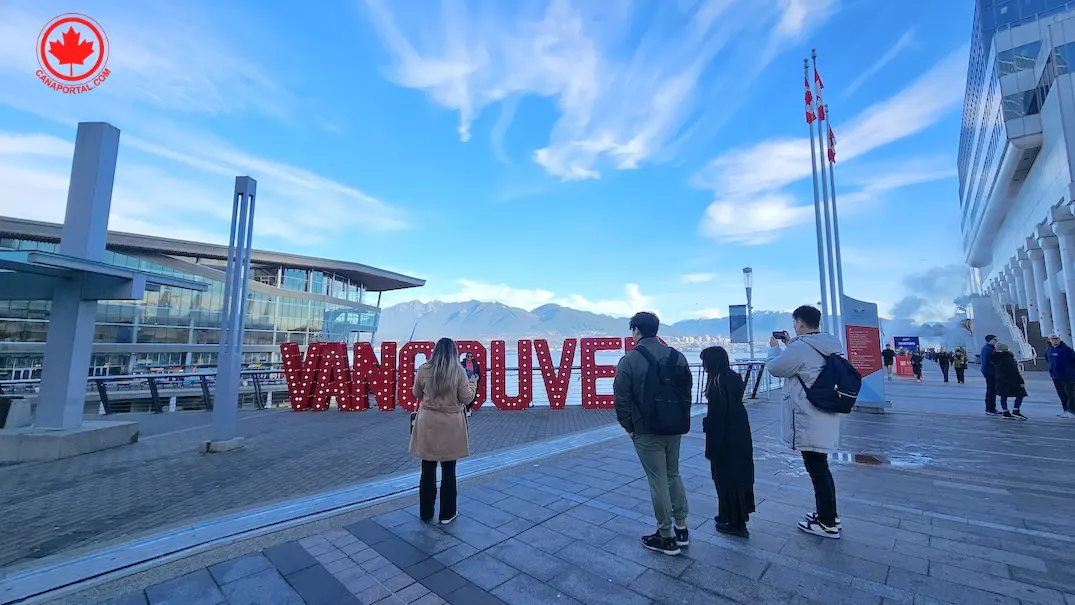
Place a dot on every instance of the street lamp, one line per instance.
(748, 282)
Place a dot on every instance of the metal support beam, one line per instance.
(233, 315)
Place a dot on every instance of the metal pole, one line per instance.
(836, 233)
(834, 303)
(232, 320)
(750, 323)
(817, 203)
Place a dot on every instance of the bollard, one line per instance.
(268, 399)
(171, 403)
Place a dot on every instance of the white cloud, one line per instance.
(697, 278)
(890, 55)
(750, 206)
(182, 189)
(709, 313)
(616, 108)
(632, 301)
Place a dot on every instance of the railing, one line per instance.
(1026, 350)
(265, 388)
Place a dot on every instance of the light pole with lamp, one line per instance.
(748, 281)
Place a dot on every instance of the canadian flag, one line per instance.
(817, 80)
(832, 146)
(809, 101)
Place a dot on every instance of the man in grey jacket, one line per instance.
(806, 429)
(659, 454)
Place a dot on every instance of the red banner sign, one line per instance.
(324, 373)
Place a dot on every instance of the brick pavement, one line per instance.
(966, 510)
(163, 481)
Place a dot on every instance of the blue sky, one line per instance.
(609, 155)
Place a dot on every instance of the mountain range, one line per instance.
(477, 320)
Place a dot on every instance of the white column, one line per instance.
(1029, 286)
(1020, 284)
(1037, 263)
(69, 339)
(1002, 290)
(1051, 246)
(1013, 294)
(1065, 233)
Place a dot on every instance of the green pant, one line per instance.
(659, 455)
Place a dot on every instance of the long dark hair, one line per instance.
(715, 360)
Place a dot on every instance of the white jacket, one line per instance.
(803, 427)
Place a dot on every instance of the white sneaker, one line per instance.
(1067, 415)
(815, 527)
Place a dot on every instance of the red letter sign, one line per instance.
(333, 378)
(556, 381)
(591, 400)
(372, 377)
(501, 399)
(407, 356)
(299, 373)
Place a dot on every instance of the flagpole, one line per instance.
(817, 199)
(834, 306)
(835, 221)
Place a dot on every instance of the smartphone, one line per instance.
(780, 335)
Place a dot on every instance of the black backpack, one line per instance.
(666, 395)
(836, 387)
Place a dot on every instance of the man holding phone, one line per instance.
(473, 371)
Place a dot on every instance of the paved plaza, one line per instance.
(163, 481)
(943, 506)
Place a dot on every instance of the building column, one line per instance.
(1050, 245)
(1065, 233)
(1020, 284)
(1037, 263)
(1029, 286)
(1013, 295)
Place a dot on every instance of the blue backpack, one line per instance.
(836, 387)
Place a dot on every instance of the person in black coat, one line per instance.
(1010, 382)
(473, 368)
(916, 364)
(944, 359)
(728, 443)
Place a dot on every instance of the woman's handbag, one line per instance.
(413, 416)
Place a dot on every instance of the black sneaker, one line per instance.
(739, 531)
(659, 543)
(839, 525)
(993, 413)
(683, 537)
(1018, 415)
(1008, 415)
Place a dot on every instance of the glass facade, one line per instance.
(991, 16)
(175, 319)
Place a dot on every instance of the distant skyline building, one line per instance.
(1015, 166)
(292, 298)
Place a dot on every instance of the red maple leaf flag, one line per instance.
(820, 111)
(809, 101)
(817, 79)
(832, 137)
(71, 50)
(832, 155)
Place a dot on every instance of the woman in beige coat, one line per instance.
(439, 433)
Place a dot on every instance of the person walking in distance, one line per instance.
(473, 369)
(805, 428)
(990, 374)
(728, 443)
(916, 364)
(1061, 360)
(944, 359)
(1010, 382)
(889, 357)
(439, 432)
(959, 364)
(652, 392)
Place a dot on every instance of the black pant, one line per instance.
(917, 371)
(960, 372)
(944, 370)
(824, 487)
(1004, 403)
(990, 392)
(427, 490)
(1066, 390)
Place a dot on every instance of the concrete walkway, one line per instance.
(952, 507)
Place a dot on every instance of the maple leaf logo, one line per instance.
(71, 49)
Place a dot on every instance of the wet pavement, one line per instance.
(939, 504)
